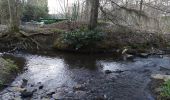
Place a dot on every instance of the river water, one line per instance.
(68, 76)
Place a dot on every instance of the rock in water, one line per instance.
(41, 87)
(128, 57)
(51, 92)
(143, 55)
(108, 71)
(57, 96)
(26, 94)
(79, 87)
(24, 83)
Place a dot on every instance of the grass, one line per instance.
(165, 89)
(8, 68)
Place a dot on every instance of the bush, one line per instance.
(80, 38)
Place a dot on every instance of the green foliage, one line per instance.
(11, 66)
(80, 38)
(7, 69)
(1, 83)
(166, 89)
(32, 12)
(50, 21)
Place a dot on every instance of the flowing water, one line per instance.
(83, 76)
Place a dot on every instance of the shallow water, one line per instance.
(61, 72)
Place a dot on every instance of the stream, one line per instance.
(51, 76)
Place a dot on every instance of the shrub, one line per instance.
(80, 38)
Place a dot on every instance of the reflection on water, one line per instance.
(50, 71)
(64, 69)
(67, 70)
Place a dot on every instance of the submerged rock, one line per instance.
(51, 92)
(57, 96)
(80, 94)
(7, 96)
(165, 67)
(79, 87)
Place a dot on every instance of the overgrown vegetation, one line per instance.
(8, 67)
(165, 89)
(80, 38)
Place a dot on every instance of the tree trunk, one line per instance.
(87, 12)
(14, 13)
(141, 5)
(93, 14)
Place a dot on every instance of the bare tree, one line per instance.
(14, 7)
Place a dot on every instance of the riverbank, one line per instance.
(104, 39)
(9, 69)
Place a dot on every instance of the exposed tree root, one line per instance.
(21, 40)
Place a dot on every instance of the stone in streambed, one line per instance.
(24, 83)
(26, 94)
(57, 96)
(79, 87)
(143, 55)
(41, 87)
(108, 71)
(128, 57)
(51, 92)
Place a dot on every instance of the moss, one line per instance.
(165, 93)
